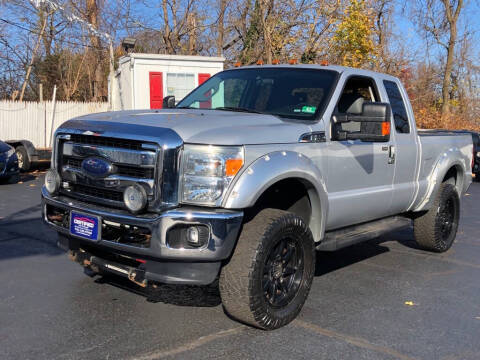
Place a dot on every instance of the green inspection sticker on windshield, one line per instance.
(306, 109)
(309, 109)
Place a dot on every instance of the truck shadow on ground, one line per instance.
(209, 296)
(180, 295)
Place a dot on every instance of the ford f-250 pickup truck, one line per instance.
(246, 177)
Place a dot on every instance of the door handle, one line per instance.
(391, 154)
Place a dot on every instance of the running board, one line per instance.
(347, 236)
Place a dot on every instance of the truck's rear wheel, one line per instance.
(23, 159)
(269, 276)
(436, 229)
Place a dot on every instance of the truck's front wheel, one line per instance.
(267, 280)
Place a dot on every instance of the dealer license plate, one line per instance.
(85, 226)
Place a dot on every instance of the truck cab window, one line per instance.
(356, 92)
(398, 107)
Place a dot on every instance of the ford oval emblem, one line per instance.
(96, 167)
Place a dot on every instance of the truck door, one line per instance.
(360, 177)
(406, 148)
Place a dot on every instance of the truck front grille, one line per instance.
(107, 142)
(124, 170)
(99, 193)
(126, 162)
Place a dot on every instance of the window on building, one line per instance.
(180, 84)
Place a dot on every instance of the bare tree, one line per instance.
(438, 19)
(452, 12)
(92, 16)
(221, 26)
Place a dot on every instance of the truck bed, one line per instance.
(437, 145)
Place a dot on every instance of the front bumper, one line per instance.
(8, 166)
(159, 261)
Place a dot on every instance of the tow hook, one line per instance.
(79, 258)
(137, 278)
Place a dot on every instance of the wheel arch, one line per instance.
(449, 168)
(275, 170)
(28, 145)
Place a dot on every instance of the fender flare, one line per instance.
(31, 151)
(276, 166)
(448, 159)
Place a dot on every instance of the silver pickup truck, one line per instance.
(246, 177)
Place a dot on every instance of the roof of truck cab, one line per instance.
(336, 68)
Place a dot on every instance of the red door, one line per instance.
(201, 79)
(156, 90)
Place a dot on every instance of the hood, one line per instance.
(196, 126)
(4, 147)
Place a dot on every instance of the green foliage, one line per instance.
(353, 39)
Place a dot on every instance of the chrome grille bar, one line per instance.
(115, 155)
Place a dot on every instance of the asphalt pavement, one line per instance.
(384, 299)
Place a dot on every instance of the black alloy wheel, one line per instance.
(268, 278)
(282, 273)
(436, 229)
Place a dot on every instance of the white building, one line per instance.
(143, 80)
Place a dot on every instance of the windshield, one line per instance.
(292, 93)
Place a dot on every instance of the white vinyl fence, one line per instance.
(33, 120)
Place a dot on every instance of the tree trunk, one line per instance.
(192, 33)
(452, 18)
(448, 73)
(92, 18)
(221, 27)
(29, 69)
(166, 30)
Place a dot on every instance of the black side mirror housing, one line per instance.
(168, 102)
(374, 120)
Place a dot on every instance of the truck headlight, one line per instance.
(207, 171)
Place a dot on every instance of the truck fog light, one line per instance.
(52, 181)
(197, 236)
(135, 198)
(193, 236)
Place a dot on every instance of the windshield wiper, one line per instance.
(238, 109)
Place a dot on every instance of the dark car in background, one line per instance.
(476, 155)
(476, 150)
(8, 163)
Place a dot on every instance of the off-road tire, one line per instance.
(428, 227)
(241, 286)
(22, 153)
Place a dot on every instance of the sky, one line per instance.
(403, 27)
(406, 30)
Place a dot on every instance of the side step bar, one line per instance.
(347, 236)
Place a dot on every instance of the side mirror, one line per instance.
(168, 102)
(374, 123)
